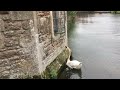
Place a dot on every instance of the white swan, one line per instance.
(74, 64)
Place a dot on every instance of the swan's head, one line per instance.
(81, 63)
(67, 48)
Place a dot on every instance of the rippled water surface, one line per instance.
(95, 41)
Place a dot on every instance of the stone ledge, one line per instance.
(53, 70)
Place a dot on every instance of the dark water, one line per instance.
(95, 41)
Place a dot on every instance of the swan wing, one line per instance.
(69, 65)
(75, 62)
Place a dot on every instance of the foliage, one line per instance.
(71, 19)
(72, 13)
(53, 73)
(115, 12)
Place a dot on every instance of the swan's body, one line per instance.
(74, 64)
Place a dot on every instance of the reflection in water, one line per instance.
(74, 74)
(71, 74)
(84, 17)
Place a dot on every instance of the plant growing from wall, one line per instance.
(71, 13)
(53, 73)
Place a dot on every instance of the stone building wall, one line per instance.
(50, 44)
(17, 44)
(27, 42)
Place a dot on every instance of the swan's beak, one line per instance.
(66, 47)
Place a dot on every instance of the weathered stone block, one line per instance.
(2, 62)
(43, 13)
(8, 54)
(12, 25)
(26, 24)
(1, 41)
(13, 41)
(9, 48)
(50, 51)
(6, 73)
(7, 67)
(12, 33)
(4, 12)
(21, 15)
(1, 25)
(2, 69)
(9, 33)
(46, 43)
(5, 17)
(25, 39)
(14, 58)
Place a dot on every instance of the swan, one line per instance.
(74, 64)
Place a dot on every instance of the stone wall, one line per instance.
(51, 46)
(17, 44)
(27, 45)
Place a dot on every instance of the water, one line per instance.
(95, 41)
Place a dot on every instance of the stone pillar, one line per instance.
(66, 28)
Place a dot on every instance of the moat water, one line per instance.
(95, 41)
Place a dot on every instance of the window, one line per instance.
(59, 22)
(55, 20)
(62, 21)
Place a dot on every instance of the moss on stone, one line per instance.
(53, 70)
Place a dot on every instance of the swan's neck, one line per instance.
(68, 60)
(69, 54)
